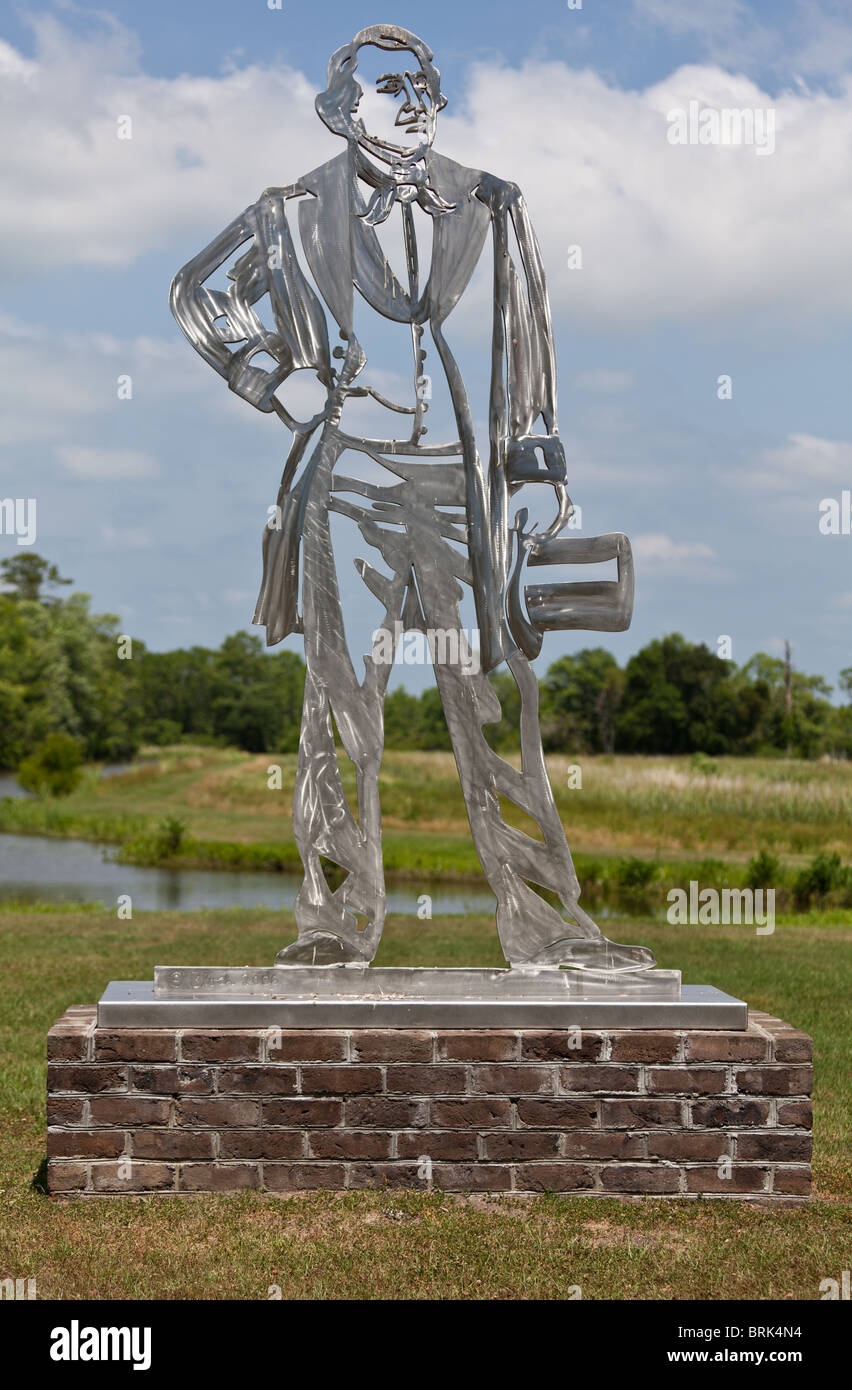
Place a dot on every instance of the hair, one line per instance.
(335, 104)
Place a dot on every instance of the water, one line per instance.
(37, 869)
(9, 785)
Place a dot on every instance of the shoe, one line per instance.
(595, 954)
(319, 948)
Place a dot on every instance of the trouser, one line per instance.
(417, 526)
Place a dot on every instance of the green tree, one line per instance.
(581, 695)
(26, 574)
(53, 767)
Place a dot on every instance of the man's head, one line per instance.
(392, 107)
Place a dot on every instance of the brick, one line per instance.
(726, 1047)
(741, 1180)
(376, 1112)
(640, 1045)
(261, 1143)
(65, 1177)
(171, 1144)
(85, 1143)
(135, 1045)
(426, 1080)
(471, 1177)
(792, 1182)
(137, 1177)
(472, 1045)
(602, 1077)
(793, 1047)
(349, 1143)
(128, 1111)
(796, 1112)
(381, 1175)
(85, 1076)
(233, 1045)
(554, 1177)
(271, 1080)
(775, 1081)
(391, 1045)
(216, 1111)
(471, 1113)
(219, 1177)
(775, 1145)
(66, 1044)
(306, 1045)
(640, 1114)
(558, 1045)
(304, 1177)
(172, 1081)
(303, 1113)
(602, 1144)
(62, 1111)
(451, 1145)
(635, 1177)
(732, 1112)
(341, 1081)
(694, 1081)
(517, 1145)
(688, 1144)
(507, 1080)
(558, 1114)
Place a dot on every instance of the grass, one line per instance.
(411, 1245)
(686, 821)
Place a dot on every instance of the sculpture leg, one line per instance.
(530, 929)
(342, 923)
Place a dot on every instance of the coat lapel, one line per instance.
(341, 253)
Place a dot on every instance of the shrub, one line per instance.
(634, 873)
(170, 833)
(54, 766)
(764, 871)
(823, 875)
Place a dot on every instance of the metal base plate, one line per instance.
(347, 997)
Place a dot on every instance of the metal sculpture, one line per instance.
(439, 518)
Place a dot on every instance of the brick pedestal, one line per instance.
(602, 1113)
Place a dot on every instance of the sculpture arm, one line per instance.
(223, 325)
(532, 374)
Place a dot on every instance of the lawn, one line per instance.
(412, 1245)
(684, 818)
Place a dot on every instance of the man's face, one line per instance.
(395, 113)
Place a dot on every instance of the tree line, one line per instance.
(65, 675)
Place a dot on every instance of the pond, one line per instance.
(38, 869)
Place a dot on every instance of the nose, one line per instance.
(414, 105)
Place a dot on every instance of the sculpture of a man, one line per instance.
(439, 516)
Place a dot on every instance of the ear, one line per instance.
(441, 102)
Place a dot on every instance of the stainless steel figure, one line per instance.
(439, 518)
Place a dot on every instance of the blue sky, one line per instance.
(698, 261)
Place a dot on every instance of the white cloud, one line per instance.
(86, 461)
(800, 465)
(201, 148)
(605, 382)
(667, 232)
(122, 537)
(658, 553)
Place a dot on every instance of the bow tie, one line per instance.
(404, 183)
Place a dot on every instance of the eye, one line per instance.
(418, 81)
(390, 84)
